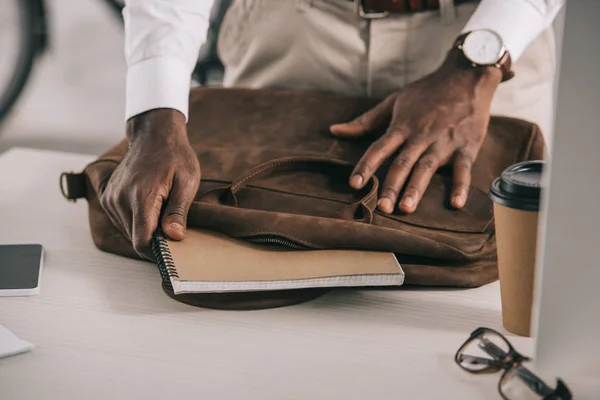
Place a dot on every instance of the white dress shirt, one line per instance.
(163, 38)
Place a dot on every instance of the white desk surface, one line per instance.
(104, 329)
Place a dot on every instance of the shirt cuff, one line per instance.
(517, 22)
(158, 82)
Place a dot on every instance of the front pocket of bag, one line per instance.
(434, 211)
(267, 210)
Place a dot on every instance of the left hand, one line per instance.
(438, 120)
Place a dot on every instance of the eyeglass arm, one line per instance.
(533, 381)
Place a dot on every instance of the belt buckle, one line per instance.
(359, 7)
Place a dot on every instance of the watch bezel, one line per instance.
(499, 57)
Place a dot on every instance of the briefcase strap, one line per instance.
(382, 8)
(360, 211)
(72, 185)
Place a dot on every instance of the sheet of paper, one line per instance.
(10, 344)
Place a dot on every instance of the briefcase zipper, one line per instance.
(278, 240)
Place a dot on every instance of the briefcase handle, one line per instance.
(361, 210)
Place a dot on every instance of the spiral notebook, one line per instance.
(208, 262)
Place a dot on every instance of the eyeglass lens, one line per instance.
(520, 384)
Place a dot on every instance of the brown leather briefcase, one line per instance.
(272, 173)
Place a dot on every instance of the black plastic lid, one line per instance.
(519, 186)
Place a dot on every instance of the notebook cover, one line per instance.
(209, 256)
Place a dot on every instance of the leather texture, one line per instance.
(405, 6)
(271, 169)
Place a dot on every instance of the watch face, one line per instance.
(483, 47)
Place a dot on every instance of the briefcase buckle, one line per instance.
(359, 7)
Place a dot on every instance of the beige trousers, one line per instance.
(324, 45)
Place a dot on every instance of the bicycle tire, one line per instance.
(27, 55)
(116, 6)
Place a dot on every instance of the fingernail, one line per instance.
(177, 228)
(356, 181)
(458, 201)
(408, 202)
(334, 128)
(385, 205)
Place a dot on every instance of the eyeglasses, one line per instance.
(487, 351)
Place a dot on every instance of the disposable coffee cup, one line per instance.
(516, 197)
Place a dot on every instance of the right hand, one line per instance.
(159, 169)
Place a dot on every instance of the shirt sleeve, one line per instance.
(162, 41)
(518, 22)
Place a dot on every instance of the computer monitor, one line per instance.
(567, 305)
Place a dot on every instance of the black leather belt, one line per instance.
(380, 8)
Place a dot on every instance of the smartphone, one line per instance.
(20, 269)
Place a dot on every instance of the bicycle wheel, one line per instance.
(18, 47)
(116, 7)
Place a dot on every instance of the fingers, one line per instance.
(108, 201)
(463, 162)
(367, 121)
(135, 213)
(398, 173)
(146, 212)
(180, 199)
(421, 176)
(464, 158)
(375, 155)
(114, 218)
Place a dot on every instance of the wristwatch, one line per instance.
(484, 47)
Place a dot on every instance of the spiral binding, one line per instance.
(164, 259)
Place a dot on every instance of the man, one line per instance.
(440, 71)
